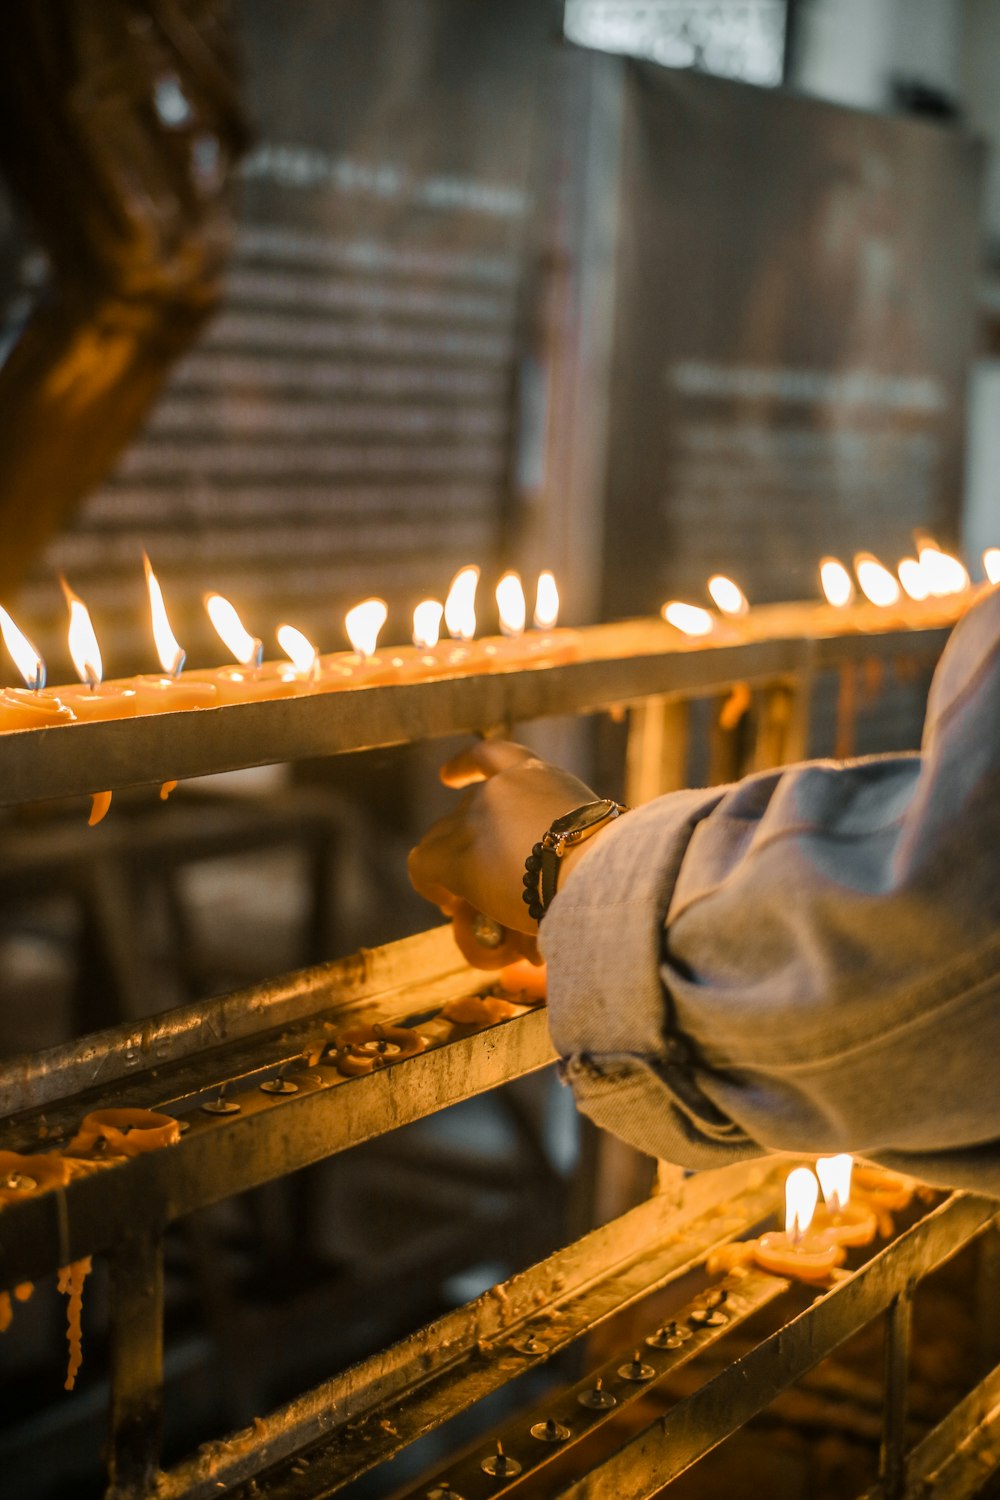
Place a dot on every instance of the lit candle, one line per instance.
(428, 658)
(460, 617)
(547, 643)
(91, 697)
(911, 576)
(991, 564)
(362, 666)
(944, 574)
(157, 695)
(875, 581)
(689, 619)
(508, 649)
(27, 708)
(835, 582)
(302, 654)
(793, 1251)
(251, 679)
(727, 596)
(842, 1222)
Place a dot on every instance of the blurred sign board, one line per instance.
(345, 425)
(793, 332)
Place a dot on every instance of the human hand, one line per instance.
(472, 861)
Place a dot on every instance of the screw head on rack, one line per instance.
(279, 1086)
(670, 1336)
(443, 1491)
(221, 1105)
(529, 1343)
(550, 1431)
(597, 1398)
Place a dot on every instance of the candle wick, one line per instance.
(91, 676)
(39, 681)
(179, 660)
(257, 656)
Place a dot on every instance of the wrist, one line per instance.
(564, 840)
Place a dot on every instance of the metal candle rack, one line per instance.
(242, 1043)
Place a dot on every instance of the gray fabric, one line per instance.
(806, 961)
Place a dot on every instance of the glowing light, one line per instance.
(801, 1197)
(460, 605)
(27, 659)
(727, 596)
(943, 573)
(836, 582)
(298, 648)
(691, 619)
(911, 576)
(875, 581)
(170, 653)
(546, 602)
(83, 647)
(834, 1173)
(427, 623)
(991, 564)
(235, 637)
(363, 624)
(511, 604)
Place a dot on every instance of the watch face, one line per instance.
(582, 817)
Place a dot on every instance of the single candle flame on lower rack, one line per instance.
(27, 659)
(911, 576)
(171, 655)
(836, 582)
(246, 648)
(299, 649)
(363, 624)
(875, 581)
(801, 1197)
(834, 1173)
(460, 605)
(690, 619)
(546, 614)
(511, 605)
(991, 564)
(727, 596)
(427, 618)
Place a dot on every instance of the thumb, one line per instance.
(483, 759)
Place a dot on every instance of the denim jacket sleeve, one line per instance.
(808, 960)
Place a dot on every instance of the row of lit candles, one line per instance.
(932, 574)
(304, 669)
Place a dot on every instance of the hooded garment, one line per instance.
(806, 961)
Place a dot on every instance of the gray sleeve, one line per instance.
(805, 961)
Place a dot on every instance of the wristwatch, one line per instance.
(541, 868)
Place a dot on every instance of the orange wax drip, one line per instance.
(367, 1046)
(26, 1176)
(479, 1010)
(166, 789)
(124, 1132)
(99, 804)
(70, 1283)
(854, 1224)
(524, 979)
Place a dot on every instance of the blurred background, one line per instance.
(320, 301)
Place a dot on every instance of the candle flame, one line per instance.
(363, 624)
(27, 659)
(691, 619)
(944, 574)
(546, 602)
(991, 564)
(727, 596)
(170, 653)
(234, 635)
(427, 623)
(836, 582)
(510, 603)
(801, 1196)
(911, 576)
(83, 647)
(875, 581)
(298, 648)
(460, 605)
(834, 1173)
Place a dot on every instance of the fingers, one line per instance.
(515, 945)
(481, 760)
